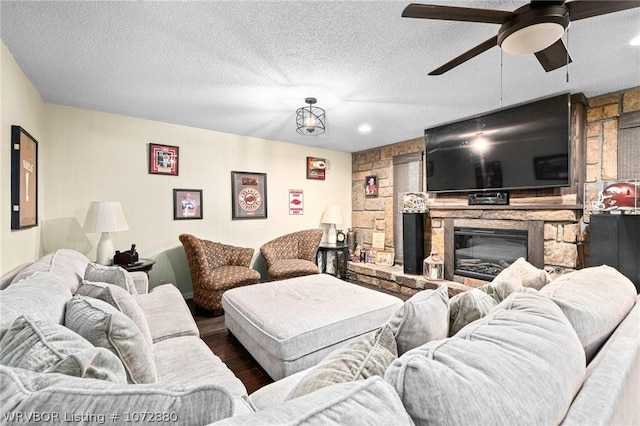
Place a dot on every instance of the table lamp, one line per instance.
(331, 216)
(105, 217)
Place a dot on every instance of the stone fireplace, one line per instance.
(481, 249)
(551, 237)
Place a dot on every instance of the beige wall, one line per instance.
(22, 106)
(87, 155)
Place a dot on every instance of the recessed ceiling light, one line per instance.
(364, 128)
(635, 41)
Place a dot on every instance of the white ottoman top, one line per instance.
(294, 317)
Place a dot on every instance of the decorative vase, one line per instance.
(351, 240)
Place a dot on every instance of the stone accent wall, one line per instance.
(376, 213)
(565, 234)
(602, 137)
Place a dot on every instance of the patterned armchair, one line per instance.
(292, 255)
(216, 267)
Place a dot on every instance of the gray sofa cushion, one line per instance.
(275, 393)
(106, 327)
(120, 299)
(595, 300)
(363, 402)
(52, 348)
(66, 263)
(467, 307)
(422, 318)
(167, 313)
(188, 361)
(366, 357)
(521, 364)
(42, 295)
(28, 392)
(529, 274)
(507, 282)
(110, 274)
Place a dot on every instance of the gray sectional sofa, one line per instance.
(539, 352)
(59, 313)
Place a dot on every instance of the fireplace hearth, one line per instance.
(483, 253)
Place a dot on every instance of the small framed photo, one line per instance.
(316, 168)
(371, 186)
(24, 179)
(187, 204)
(163, 159)
(384, 258)
(248, 195)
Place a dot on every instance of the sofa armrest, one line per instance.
(140, 281)
(6, 279)
(167, 313)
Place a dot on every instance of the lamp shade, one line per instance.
(105, 216)
(332, 215)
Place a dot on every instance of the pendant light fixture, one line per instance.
(310, 120)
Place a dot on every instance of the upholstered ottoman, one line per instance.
(290, 325)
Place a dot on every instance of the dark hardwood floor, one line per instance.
(214, 333)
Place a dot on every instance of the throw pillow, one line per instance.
(42, 295)
(51, 348)
(595, 300)
(422, 318)
(110, 274)
(503, 285)
(28, 392)
(521, 364)
(365, 357)
(529, 274)
(120, 299)
(467, 307)
(106, 327)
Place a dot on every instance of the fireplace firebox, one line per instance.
(483, 253)
(491, 241)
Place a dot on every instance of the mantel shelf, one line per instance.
(509, 207)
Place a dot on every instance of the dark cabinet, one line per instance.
(413, 242)
(615, 241)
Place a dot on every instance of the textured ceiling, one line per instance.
(244, 67)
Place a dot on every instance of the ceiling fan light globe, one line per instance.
(533, 38)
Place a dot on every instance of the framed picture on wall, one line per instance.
(248, 195)
(24, 179)
(163, 159)
(316, 168)
(187, 204)
(371, 186)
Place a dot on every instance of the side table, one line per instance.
(142, 265)
(340, 250)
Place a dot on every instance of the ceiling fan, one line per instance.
(536, 27)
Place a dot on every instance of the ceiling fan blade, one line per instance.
(587, 9)
(536, 3)
(452, 13)
(493, 41)
(554, 56)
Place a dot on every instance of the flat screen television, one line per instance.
(520, 147)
